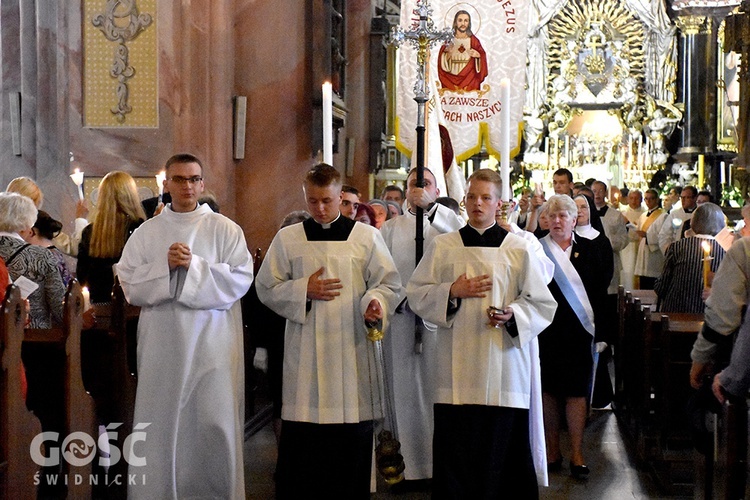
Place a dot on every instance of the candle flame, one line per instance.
(706, 248)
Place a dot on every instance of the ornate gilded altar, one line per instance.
(601, 89)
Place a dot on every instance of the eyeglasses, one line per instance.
(178, 179)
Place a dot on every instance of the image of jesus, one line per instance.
(463, 63)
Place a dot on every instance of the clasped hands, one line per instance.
(328, 289)
(179, 255)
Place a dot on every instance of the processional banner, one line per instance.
(489, 44)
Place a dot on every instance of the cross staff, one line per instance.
(422, 35)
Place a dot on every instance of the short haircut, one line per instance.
(27, 187)
(17, 212)
(562, 202)
(590, 181)
(323, 175)
(391, 187)
(450, 203)
(603, 184)
(346, 188)
(587, 191)
(707, 219)
(414, 172)
(677, 190)
(708, 194)
(488, 175)
(692, 189)
(564, 171)
(183, 158)
(653, 192)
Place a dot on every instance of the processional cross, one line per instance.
(423, 36)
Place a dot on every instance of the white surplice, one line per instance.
(412, 375)
(190, 357)
(326, 377)
(476, 363)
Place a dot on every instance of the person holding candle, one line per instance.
(680, 287)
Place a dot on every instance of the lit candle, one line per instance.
(77, 178)
(706, 262)
(86, 298)
(160, 178)
(722, 173)
(701, 172)
(327, 123)
(505, 138)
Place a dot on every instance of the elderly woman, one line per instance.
(37, 264)
(381, 212)
(365, 214)
(680, 287)
(567, 346)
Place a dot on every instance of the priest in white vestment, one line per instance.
(187, 269)
(649, 260)
(486, 291)
(632, 212)
(412, 370)
(678, 220)
(328, 276)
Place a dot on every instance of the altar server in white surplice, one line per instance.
(412, 372)
(488, 413)
(649, 261)
(327, 276)
(188, 269)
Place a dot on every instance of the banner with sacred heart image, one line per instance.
(489, 44)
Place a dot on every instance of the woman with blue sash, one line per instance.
(583, 270)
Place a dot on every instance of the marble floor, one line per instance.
(613, 473)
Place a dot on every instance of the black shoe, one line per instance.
(579, 471)
(555, 466)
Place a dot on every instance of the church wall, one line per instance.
(273, 68)
(208, 52)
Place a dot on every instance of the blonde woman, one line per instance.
(27, 187)
(119, 213)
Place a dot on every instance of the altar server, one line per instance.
(485, 290)
(327, 276)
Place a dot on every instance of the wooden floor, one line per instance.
(614, 476)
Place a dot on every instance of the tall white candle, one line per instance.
(160, 178)
(723, 173)
(327, 123)
(546, 149)
(505, 138)
(77, 178)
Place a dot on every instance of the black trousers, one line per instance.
(324, 460)
(482, 452)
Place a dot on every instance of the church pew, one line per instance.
(77, 414)
(17, 424)
(724, 472)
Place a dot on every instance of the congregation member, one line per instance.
(485, 290)
(365, 214)
(730, 293)
(567, 347)
(632, 212)
(350, 197)
(393, 193)
(119, 212)
(681, 284)
(382, 213)
(562, 183)
(329, 277)
(187, 269)
(412, 368)
(677, 221)
(649, 260)
(704, 197)
(394, 209)
(43, 233)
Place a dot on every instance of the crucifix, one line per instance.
(423, 36)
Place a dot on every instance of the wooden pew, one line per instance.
(17, 424)
(78, 409)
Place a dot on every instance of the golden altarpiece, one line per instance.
(601, 80)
